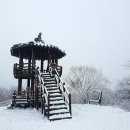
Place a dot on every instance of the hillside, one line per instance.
(85, 117)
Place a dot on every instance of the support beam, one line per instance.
(28, 83)
(49, 61)
(33, 70)
(19, 86)
(42, 65)
(33, 58)
(32, 84)
(21, 68)
(53, 60)
(56, 61)
(29, 71)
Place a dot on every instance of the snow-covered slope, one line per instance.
(85, 117)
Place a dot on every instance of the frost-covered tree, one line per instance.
(82, 79)
(123, 93)
(123, 89)
(6, 94)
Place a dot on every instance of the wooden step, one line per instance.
(56, 104)
(45, 75)
(55, 95)
(53, 99)
(21, 102)
(53, 107)
(50, 85)
(51, 92)
(53, 88)
(58, 111)
(50, 82)
(49, 79)
(60, 117)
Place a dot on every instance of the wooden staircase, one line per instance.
(56, 108)
(20, 100)
(50, 94)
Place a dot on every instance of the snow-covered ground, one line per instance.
(85, 117)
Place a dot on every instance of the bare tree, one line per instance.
(123, 93)
(82, 79)
(6, 94)
(123, 89)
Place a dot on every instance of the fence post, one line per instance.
(100, 98)
(36, 98)
(14, 97)
(44, 106)
(48, 105)
(64, 90)
(33, 98)
(70, 110)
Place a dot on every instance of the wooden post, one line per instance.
(29, 72)
(100, 98)
(28, 83)
(53, 60)
(19, 86)
(33, 58)
(32, 84)
(49, 61)
(70, 110)
(64, 91)
(42, 65)
(14, 98)
(56, 61)
(33, 70)
(44, 106)
(37, 95)
(20, 69)
(32, 90)
(48, 106)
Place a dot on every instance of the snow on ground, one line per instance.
(85, 117)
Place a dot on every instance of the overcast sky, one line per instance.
(92, 32)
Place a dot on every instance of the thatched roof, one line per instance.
(42, 51)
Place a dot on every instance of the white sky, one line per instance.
(92, 32)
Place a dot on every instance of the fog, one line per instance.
(95, 32)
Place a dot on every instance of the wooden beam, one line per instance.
(19, 86)
(56, 61)
(33, 58)
(42, 65)
(21, 67)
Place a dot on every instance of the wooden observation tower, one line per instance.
(44, 88)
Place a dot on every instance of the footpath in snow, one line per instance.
(85, 117)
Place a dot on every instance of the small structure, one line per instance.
(94, 97)
(41, 84)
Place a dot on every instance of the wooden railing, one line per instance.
(44, 95)
(22, 94)
(23, 69)
(66, 95)
(53, 67)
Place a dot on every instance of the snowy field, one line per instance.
(85, 117)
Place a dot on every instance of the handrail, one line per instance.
(23, 68)
(24, 65)
(54, 66)
(66, 95)
(44, 92)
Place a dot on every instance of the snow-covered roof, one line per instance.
(42, 50)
